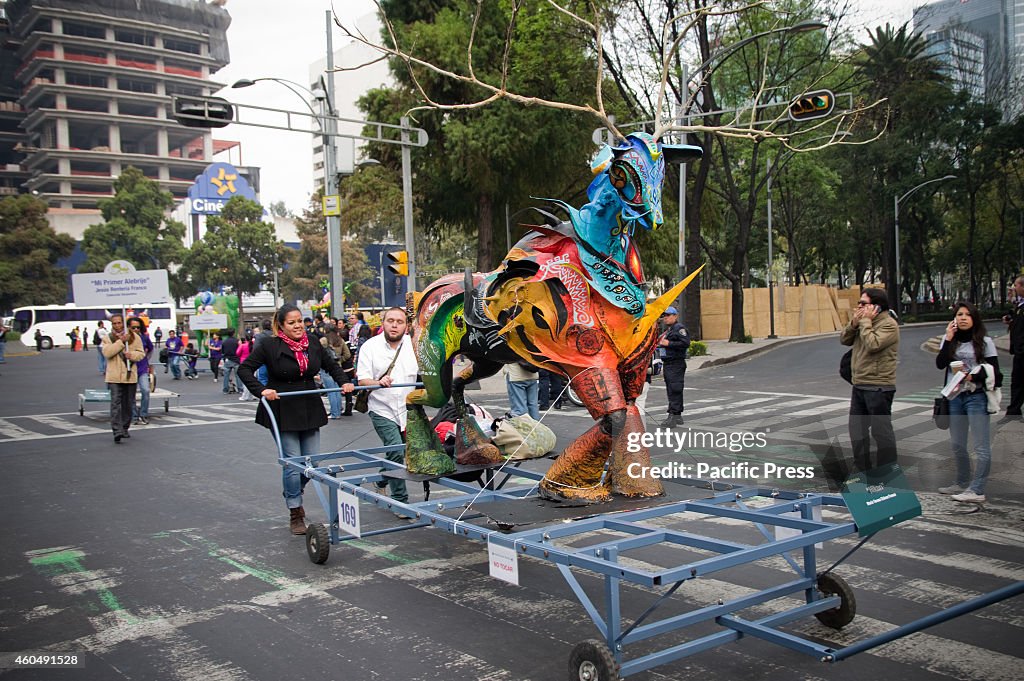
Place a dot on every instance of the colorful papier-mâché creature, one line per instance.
(570, 297)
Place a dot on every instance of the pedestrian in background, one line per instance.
(39, 342)
(292, 358)
(213, 346)
(97, 342)
(158, 335)
(875, 337)
(3, 344)
(122, 348)
(140, 412)
(85, 339)
(174, 347)
(229, 349)
(672, 346)
(966, 348)
(191, 357)
(523, 386)
(245, 347)
(1015, 323)
(550, 386)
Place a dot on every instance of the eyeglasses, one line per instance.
(862, 304)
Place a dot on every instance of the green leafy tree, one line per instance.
(309, 266)
(135, 228)
(239, 252)
(29, 251)
(279, 209)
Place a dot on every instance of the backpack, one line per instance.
(96, 339)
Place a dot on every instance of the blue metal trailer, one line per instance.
(602, 541)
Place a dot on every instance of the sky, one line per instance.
(280, 39)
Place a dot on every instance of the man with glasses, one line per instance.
(123, 349)
(140, 413)
(875, 337)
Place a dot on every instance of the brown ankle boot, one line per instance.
(297, 521)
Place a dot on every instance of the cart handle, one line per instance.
(939, 617)
(273, 420)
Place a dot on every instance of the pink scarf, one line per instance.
(299, 348)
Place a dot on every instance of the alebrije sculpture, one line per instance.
(570, 297)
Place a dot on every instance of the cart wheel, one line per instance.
(831, 584)
(318, 542)
(591, 660)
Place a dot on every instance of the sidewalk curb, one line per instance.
(722, 361)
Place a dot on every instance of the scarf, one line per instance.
(300, 348)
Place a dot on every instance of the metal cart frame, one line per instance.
(820, 593)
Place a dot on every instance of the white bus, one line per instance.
(55, 322)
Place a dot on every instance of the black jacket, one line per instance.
(678, 342)
(1017, 330)
(292, 413)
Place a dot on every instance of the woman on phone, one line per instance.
(293, 358)
(965, 348)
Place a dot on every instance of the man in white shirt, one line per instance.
(387, 407)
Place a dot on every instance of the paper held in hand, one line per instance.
(955, 379)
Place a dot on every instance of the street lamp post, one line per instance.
(896, 201)
(324, 119)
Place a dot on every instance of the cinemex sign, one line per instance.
(218, 184)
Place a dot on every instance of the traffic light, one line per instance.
(401, 263)
(817, 104)
(203, 112)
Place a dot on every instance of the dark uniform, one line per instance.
(1017, 350)
(674, 363)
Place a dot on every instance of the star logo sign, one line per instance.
(224, 182)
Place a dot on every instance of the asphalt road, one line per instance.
(168, 557)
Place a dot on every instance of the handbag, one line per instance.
(940, 412)
(362, 404)
(846, 367)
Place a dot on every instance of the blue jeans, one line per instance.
(175, 362)
(297, 443)
(522, 397)
(969, 411)
(142, 410)
(261, 374)
(3, 350)
(229, 367)
(101, 361)
(390, 434)
(333, 398)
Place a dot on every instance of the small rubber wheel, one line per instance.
(591, 660)
(831, 584)
(318, 542)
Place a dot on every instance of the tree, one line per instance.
(29, 251)
(309, 266)
(136, 229)
(279, 209)
(239, 252)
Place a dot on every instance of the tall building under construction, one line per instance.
(86, 88)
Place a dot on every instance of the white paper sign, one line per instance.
(121, 289)
(202, 322)
(348, 513)
(787, 532)
(504, 563)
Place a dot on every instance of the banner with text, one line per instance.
(128, 288)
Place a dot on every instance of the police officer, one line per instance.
(672, 346)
